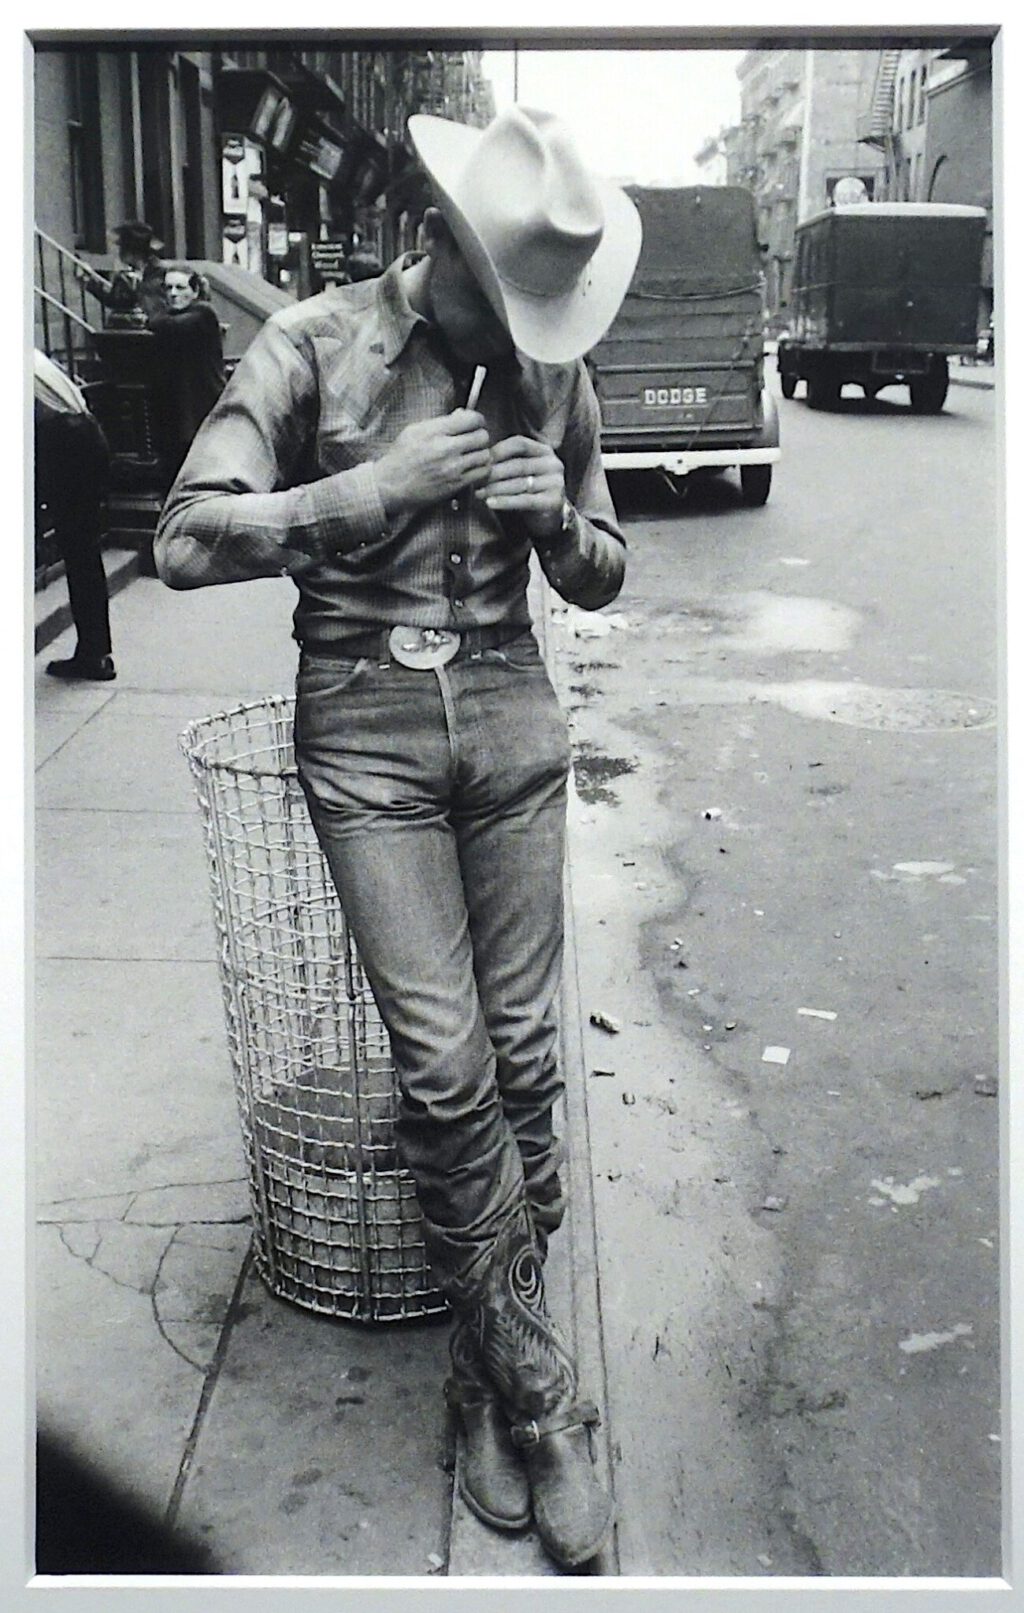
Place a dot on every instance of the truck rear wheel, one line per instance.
(755, 483)
(928, 392)
(788, 384)
(822, 391)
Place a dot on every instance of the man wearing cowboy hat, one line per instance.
(428, 739)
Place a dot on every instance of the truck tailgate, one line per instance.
(671, 367)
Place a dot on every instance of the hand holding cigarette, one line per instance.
(431, 460)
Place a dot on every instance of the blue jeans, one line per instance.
(438, 797)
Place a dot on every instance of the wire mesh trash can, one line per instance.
(336, 1219)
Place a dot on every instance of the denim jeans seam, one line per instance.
(448, 702)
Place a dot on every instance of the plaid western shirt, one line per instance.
(280, 478)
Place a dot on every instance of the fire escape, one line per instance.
(874, 128)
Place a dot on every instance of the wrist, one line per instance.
(560, 524)
(393, 502)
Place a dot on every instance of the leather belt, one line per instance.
(421, 647)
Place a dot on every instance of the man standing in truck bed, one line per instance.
(428, 740)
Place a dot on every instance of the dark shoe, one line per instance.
(572, 1508)
(492, 1479)
(78, 668)
(527, 1359)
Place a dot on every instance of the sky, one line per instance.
(636, 115)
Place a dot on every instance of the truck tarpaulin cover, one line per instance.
(697, 239)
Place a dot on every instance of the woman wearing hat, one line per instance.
(429, 742)
(135, 290)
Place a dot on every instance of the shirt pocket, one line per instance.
(360, 412)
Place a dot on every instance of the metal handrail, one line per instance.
(58, 299)
(69, 313)
(58, 246)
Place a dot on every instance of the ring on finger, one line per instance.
(529, 484)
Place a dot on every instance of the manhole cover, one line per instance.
(901, 710)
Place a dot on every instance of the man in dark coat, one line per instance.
(72, 472)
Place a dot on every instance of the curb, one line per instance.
(979, 386)
(572, 1268)
(586, 1282)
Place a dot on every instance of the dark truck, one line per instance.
(680, 374)
(883, 293)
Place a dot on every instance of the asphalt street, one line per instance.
(785, 865)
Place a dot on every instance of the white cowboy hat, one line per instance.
(552, 247)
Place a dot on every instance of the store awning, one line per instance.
(254, 102)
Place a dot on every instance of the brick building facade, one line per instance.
(125, 134)
(797, 142)
(827, 125)
(263, 168)
(958, 158)
(242, 156)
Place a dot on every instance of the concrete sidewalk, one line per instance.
(286, 1442)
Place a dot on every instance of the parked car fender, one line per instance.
(769, 434)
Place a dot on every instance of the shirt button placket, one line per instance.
(455, 560)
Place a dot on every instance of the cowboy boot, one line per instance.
(528, 1361)
(492, 1479)
(541, 1238)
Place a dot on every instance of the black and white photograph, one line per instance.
(550, 1120)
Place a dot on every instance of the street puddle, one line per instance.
(791, 624)
(860, 705)
(593, 772)
(762, 623)
(914, 873)
(854, 705)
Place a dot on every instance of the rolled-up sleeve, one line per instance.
(232, 514)
(586, 564)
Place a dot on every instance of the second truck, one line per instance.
(884, 294)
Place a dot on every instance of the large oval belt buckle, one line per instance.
(422, 647)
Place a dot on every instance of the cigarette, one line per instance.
(474, 392)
